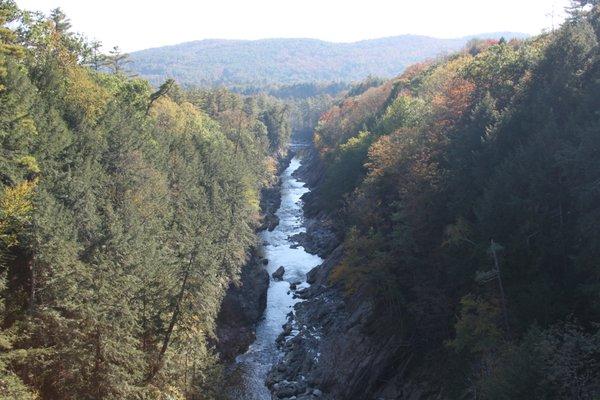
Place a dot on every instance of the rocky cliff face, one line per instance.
(320, 237)
(241, 309)
(312, 172)
(245, 300)
(332, 342)
(336, 344)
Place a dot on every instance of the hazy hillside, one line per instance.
(288, 61)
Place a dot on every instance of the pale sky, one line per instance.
(140, 24)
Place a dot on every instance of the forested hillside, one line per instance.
(289, 61)
(125, 212)
(456, 208)
(466, 192)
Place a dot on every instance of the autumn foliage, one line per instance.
(467, 210)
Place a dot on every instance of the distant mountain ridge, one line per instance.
(288, 61)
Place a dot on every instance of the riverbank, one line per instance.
(247, 375)
(291, 377)
(245, 301)
(333, 347)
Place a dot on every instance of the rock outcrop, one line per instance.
(334, 344)
(241, 309)
(278, 274)
(270, 197)
(245, 300)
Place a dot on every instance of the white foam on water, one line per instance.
(251, 368)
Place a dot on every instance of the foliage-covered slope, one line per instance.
(124, 215)
(467, 192)
(260, 62)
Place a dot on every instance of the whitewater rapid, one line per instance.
(251, 368)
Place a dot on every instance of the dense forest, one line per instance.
(463, 195)
(306, 102)
(125, 212)
(290, 61)
(466, 191)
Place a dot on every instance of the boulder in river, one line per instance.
(287, 389)
(303, 293)
(278, 274)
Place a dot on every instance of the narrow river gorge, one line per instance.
(248, 374)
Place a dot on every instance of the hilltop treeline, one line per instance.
(289, 61)
(125, 212)
(467, 194)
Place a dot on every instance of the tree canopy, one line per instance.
(125, 212)
(465, 190)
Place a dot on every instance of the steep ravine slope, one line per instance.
(241, 309)
(332, 343)
(245, 301)
(466, 194)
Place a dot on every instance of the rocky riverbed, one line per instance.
(292, 377)
(333, 346)
(245, 301)
(312, 341)
(248, 373)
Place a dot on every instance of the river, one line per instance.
(250, 370)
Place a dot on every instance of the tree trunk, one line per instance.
(32, 285)
(174, 318)
(500, 287)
